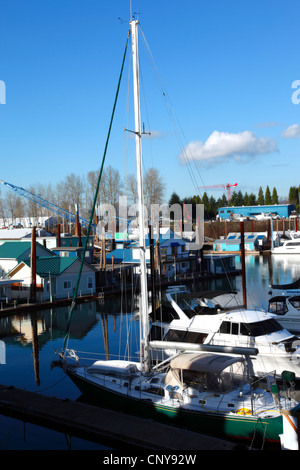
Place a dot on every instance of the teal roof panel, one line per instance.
(52, 265)
(14, 250)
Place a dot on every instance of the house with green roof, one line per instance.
(56, 278)
(13, 252)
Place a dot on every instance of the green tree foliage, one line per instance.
(268, 199)
(274, 196)
(294, 195)
(252, 200)
(260, 198)
(174, 199)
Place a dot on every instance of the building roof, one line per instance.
(53, 265)
(19, 233)
(14, 249)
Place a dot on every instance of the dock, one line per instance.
(118, 430)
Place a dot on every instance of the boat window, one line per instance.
(186, 337)
(278, 305)
(229, 328)
(175, 335)
(195, 338)
(295, 301)
(156, 332)
(250, 329)
(155, 380)
(225, 327)
(194, 379)
(260, 328)
(155, 390)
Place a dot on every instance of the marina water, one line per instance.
(99, 329)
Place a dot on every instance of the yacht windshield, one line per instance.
(259, 328)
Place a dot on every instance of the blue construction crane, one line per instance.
(46, 204)
(52, 207)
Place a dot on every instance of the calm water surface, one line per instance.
(102, 329)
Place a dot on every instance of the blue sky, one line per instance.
(227, 68)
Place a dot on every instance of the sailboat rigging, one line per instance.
(209, 393)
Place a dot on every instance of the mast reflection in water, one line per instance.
(101, 330)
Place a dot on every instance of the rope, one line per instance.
(95, 198)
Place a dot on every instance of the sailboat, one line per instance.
(209, 393)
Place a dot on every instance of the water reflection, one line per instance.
(109, 329)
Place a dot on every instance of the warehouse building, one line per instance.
(256, 212)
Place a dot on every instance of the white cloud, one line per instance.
(225, 145)
(291, 132)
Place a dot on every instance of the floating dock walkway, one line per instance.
(117, 430)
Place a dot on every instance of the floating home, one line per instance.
(253, 242)
(55, 278)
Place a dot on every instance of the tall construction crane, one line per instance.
(225, 186)
(46, 204)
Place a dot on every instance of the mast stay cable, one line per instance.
(73, 304)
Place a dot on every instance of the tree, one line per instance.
(260, 198)
(174, 199)
(293, 195)
(70, 192)
(14, 206)
(240, 201)
(91, 186)
(32, 208)
(110, 186)
(205, 200)
(130, 185)
(222, 202)
(268, 199)
(154, 187)
(252, 200)
(274, 196)
(237, 199)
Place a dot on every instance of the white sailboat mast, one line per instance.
(139, 163)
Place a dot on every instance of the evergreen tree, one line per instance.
(274, 196)
(293, 195)
(268, 199)
(212, 207)
(205, 200)
(240, 201)
(233, 199)
(252, 200)
(260, 198)
(174, 199)
(222, 201)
